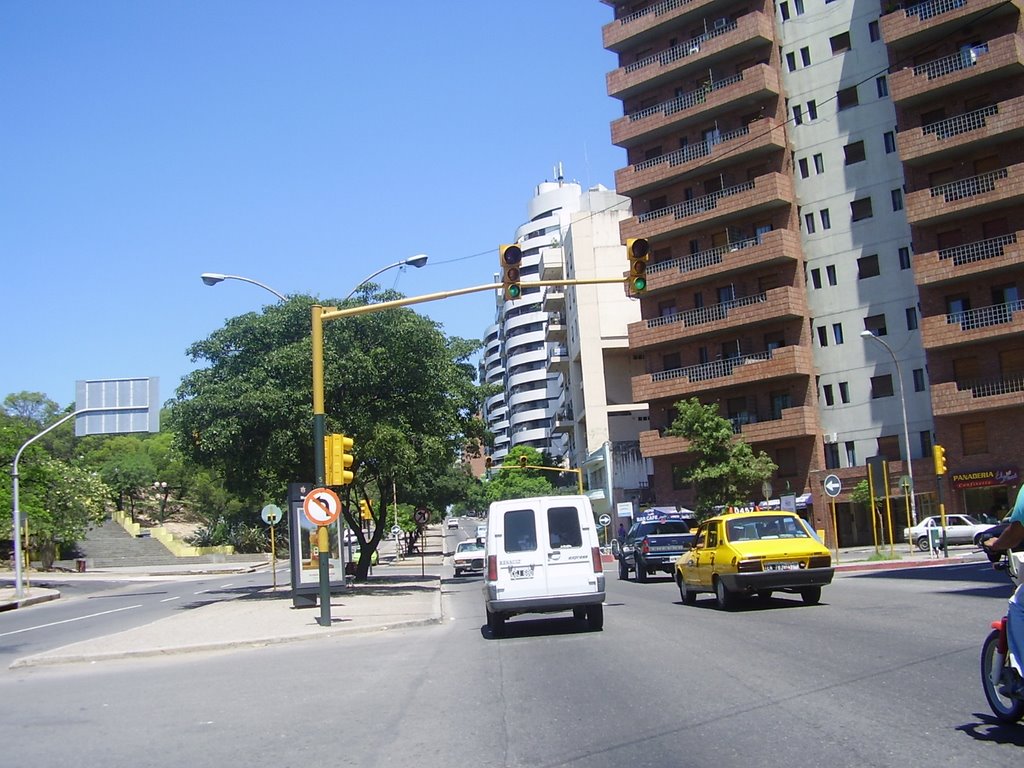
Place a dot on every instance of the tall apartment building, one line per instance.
(760, 142)
(958, 85)
(560, 352)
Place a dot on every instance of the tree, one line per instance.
(393, 382)
(725, 469)
(33, 407)
(511, 482)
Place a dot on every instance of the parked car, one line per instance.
(754, 553)
(960, 529)
(469, 557)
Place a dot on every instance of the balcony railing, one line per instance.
(657, 10)
(978, 251)
(702, 259)
(709, 314)
(676, 52)
(701, 204)
(983, 317)
(954, 126)
(970, 187)
(928, 10)
(714, 370)
(692, 151)
(961, 60)
(686, 100)
(992, 387)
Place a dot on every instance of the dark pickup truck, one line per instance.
(653, 543)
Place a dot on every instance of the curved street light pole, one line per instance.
(906, 430)
(414, 261)
(212, 278)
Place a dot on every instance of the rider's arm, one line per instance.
(1009, 538)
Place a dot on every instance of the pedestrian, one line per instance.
(622, 532)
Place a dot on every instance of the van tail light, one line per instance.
(645, 547)
(492, 567)
(595, 555)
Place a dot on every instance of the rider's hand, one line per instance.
(990, 543)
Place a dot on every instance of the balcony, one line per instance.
(652, 22)
(740, 201)
(556, 330)
(552, 264)
(958, 399)
(558, 359)
(745, 370)
(554, 299)
(971, 196)
(745, 89)
(653, 444)
(972, 68)
(776, 247)
(732, 148)
(727, 39)
(919, 25)
(779, 303)
(971, 260)
(791, 423)
(959, 134)
(562, 421)
(985, 324)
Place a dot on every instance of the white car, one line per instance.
(469, 558)
(481, 531)
(453, 522)
(960, 529)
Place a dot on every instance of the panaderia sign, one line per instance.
(985, 477)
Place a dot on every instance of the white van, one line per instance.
(542, 557)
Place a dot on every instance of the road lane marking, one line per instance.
(229, 584)
(169, 599)
(66, 621)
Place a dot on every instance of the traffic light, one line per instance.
(365, 513)
(523, 462)
(337, 459)
(638, 252)
(939, 454)
(488, 462)
(510, 256)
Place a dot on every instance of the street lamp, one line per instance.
(212, 278)
(412, 261)
(866, 334)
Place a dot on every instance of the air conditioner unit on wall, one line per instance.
(721, 23)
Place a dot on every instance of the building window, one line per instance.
(881, 386)
(819, 163)
(882, 86)
(784, 10)
(798, 5)
(904, 257)
(831, 455)
(890, 142)
(829, 399)
(861, 209)
(897, 199)
(840, 43)
(798, 117)
(826, 219)
(822, 336)
(854, 152)
(805, 56)
(791, 61)
(926, 442)
(816, 277)
(918, 374)
(847, 98)
(785, 458)
(812, 110)
(837, 333)
(830, 273)
(851, 454)
(805, 171)
(974, 438)
(911, 319)
(876, 324)
(867, 266)
(844, 391)
(809, 221)
(873, 33)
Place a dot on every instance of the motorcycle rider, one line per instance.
(1011, 536)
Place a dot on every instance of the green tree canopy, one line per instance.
(725, 470)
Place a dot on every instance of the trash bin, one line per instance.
(935, 538)
(80, 565)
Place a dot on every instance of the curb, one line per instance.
(41, 596)
(882, 565)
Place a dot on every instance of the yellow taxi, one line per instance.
(753, 553)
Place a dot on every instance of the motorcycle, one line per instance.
(1003, 687)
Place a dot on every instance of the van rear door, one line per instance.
(521, 557)
(568, 557)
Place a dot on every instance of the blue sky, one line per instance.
(302, 144)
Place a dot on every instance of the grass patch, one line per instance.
(885, 555)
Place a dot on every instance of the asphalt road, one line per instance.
(883, 673)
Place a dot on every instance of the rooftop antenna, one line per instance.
(558, 173)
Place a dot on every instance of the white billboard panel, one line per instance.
(117, 405)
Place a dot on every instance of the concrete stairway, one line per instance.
(109, 545)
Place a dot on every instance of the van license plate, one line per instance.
(521, 572)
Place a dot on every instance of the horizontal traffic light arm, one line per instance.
(330, 313)
(578, 472)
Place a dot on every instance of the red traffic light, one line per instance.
(511, 255)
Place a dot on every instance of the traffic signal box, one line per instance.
(939, 455)
(509, 257)
(523, 462)
(337, 460)
(638, 252)
(364, 510)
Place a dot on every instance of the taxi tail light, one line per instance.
(595, 555)
(492, 567)
(746, 566)
(820, 561)
(645, 547)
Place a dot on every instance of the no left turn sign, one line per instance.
(322, 506)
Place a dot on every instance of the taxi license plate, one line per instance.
(782, 566)
(521, 572)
